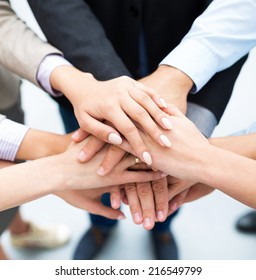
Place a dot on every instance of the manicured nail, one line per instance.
(115, 139)
(147, 223)
(160, 215)
(147, 158)
(167, 124)
(121, 217)
(137, 218)
(165, 140)
(81, 156)
(162, 101)
(75, 135)
(100, 171)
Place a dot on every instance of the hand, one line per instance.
(79, 176)
(177, 191)
(89, 200)
(193, 193)
(120, 101)
(148, 201)
(172, 84)
(185, 158)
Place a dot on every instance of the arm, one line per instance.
(21, 51)
(220, 36)
(85, 45)
(193, 158)
(63, 174)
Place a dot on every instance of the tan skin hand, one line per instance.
(172, 84)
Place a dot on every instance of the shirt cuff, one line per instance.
(11, 136)
(194, 59)
(49, 63)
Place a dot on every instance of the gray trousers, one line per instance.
(10, 107)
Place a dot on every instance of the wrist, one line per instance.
(176, 77)
(69, 80)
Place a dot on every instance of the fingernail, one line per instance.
(81, 156)
(164, 174)
(162, 101)
(147, 158)
(165, 140)
(174, 206)
(115, 139)
(137, 217)
(114, 203)
(147, 223)
(121, 217)
(167, 124)
(160, 215)
(75, 135)
(100, 171)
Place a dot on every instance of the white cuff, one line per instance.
(11, 136)
(49, 63)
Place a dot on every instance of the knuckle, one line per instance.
(159, 187)
(130, 187)
(144, 189)
(141, 114)
(130, 129)
(143, 98)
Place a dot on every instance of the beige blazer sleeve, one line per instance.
(21, 51)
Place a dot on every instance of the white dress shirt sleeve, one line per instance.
(11, 136)
(49, 63)
(225, 32)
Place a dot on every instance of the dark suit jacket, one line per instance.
(102, 37)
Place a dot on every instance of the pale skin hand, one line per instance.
(89, 200)
(63, 172)
(120, 101)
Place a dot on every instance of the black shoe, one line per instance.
(91, 243)
(164, 245)
(247, 223)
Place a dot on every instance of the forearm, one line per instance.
(38, 144)
(243, 145)
(21, 50)
(27, 181)
(232, 174)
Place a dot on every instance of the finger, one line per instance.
(131, 133)
(112, 157)
(115, 197)
(146, 197)
(161, 103)
(142, 117)
(160, 190)
(102, 131)
(174, 111)
(79, 135)
(98, 208)
(149, 105)
(90, 149)
(134, 202)
(177, 201)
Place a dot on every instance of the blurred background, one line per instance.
(204, 229)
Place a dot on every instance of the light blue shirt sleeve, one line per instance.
(224, 33)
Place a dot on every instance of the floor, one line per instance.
(204, 229)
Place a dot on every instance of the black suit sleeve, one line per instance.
(71, 26)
